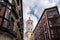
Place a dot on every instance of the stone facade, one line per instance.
(32, 36)
(5, 36)
(11, 21)
(29, 25)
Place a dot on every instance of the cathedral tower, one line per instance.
(29, 25)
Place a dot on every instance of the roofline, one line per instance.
(44, 12)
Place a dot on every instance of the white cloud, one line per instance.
(46, 3)
(40, 6)
(25, 16)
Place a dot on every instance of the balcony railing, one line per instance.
(53, 16)
(55, 26)
(5, 22)
(5, 27)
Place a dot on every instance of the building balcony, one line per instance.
(6, 23)
(55, 26)
(3, 29)
(10, 7)
(53, 17)
(6, 27)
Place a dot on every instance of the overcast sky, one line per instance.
(34, 9)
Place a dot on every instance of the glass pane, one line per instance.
(5, 24)
(52, 13)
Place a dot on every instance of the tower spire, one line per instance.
(29, 18)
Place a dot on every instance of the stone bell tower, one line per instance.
(29, 25)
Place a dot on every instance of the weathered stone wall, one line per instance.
(4, 36)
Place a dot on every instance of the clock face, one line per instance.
(52, 13)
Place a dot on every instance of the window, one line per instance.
(13, 3)
(0, 7)
(52, 34)
(45, 31)
(28, 23)
(19, 13)
(31, 22)
(11, 23)
(52, 13)
(50, 23)
(31, 28)
(17, 2)
(18, 24)
(45, 27)
(21, 20)
(28, 28)
(47, 37)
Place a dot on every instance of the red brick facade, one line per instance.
(46, 27)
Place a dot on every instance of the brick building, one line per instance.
(11, 20)
(48, 26)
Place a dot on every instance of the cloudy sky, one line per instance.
(34, 9)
